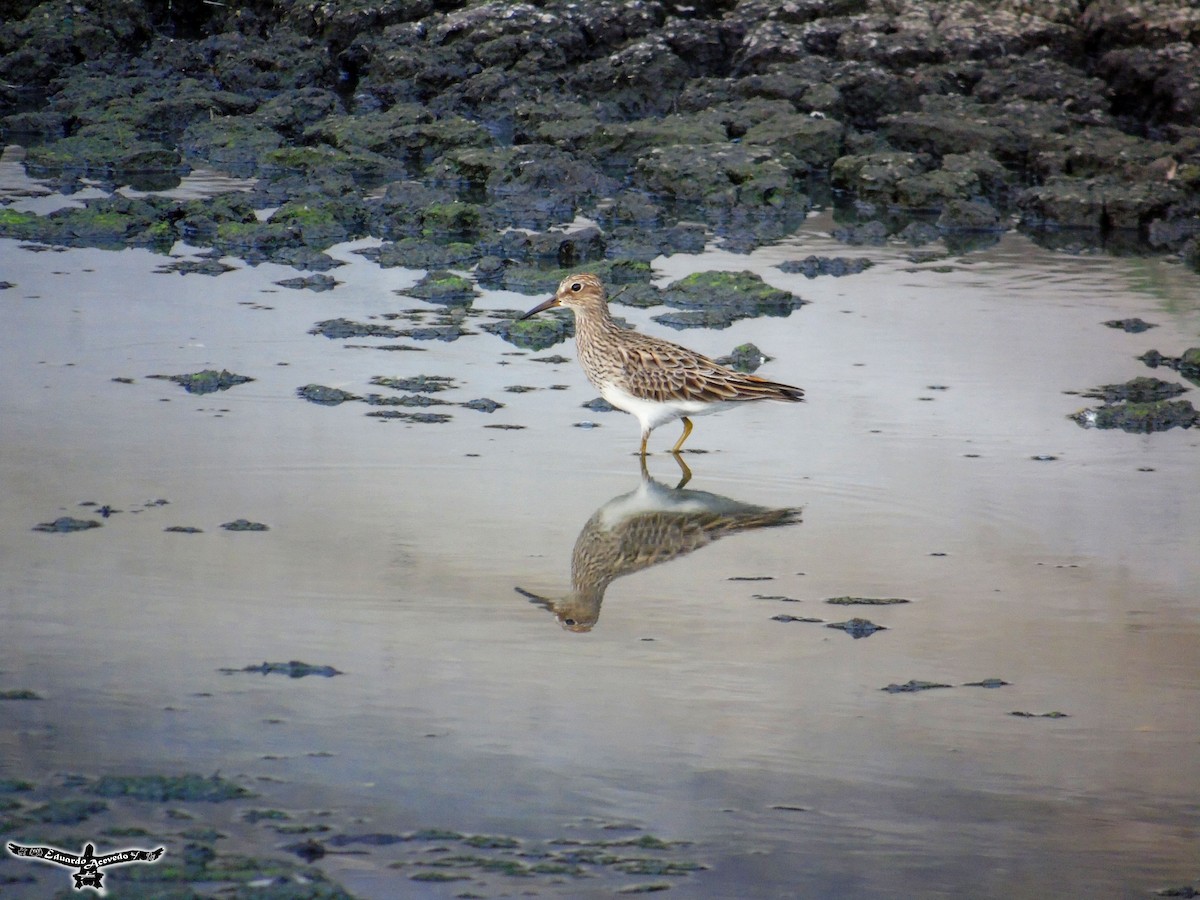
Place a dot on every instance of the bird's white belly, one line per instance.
(652, 413)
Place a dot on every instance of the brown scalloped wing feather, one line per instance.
(654, 369)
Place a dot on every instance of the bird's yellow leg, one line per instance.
(645, 437)
(687, 429)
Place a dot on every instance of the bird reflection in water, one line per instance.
(647, 526)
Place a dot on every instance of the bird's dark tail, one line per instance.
(774, 390)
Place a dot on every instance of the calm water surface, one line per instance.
(426, 562)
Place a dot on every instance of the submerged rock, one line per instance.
(483, 404)
(244, 525)
(292, 669)
(445, 287)
(534, 334)
(1141, 405)
(169, 788)
(325, 396)
(317, 283)
(207, 381)
(857, 628)
(1187, 365)
(1133, 326)
(484, 118)
(339, 329)
(837, 266)
(66, 524)
(718, 299)
(429, 384)
(1046, 715)
(744, 358)
(914, 686)
(1140, 418)
(420, 418)
(1137, 390)
(866, 601)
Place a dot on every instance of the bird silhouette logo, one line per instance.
(87, 864)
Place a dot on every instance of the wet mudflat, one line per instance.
(680, 732)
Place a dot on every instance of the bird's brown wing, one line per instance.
(654, 369)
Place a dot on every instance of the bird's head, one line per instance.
(574, 292)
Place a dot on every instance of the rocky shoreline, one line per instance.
(472, 135)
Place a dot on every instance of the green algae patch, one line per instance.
(20, 694)
(168, 788)
(20, 225)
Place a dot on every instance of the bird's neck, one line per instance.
(593, 320)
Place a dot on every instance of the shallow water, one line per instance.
(396, 551)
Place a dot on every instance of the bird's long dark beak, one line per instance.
(553, 301)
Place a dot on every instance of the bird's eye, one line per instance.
(577, 286)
